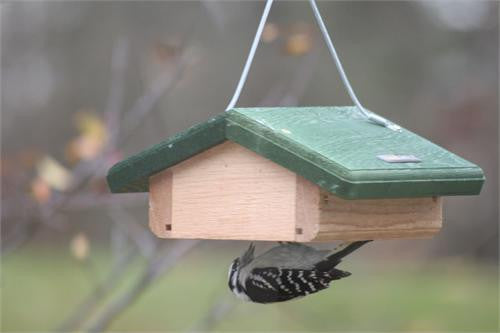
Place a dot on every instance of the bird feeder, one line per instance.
(295, 174)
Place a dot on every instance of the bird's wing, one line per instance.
(267, 285)
(287, 256)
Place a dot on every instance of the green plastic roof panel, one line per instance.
(334, 147)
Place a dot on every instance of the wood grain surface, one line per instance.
(230, 192)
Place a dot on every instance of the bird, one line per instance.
(287, 271)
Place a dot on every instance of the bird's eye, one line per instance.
(233, 267)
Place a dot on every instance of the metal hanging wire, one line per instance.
(326, 36)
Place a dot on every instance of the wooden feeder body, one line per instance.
(295, 174)
(230, 192)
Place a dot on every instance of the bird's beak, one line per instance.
(248, 255)
(251, 249)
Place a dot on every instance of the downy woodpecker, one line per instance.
(287, 271)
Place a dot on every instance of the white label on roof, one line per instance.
(391, 158)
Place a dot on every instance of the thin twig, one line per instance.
(288, 92)
(81, 172)
(86, 171)
(142, 237)
(162, 86)
(115, 275)
(114, 105)
(163, 262)
(218, 311)
(214, 11)
(87, 306)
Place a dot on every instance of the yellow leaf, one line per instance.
(80, 246)
(92, 138)
(54, 174)
(163, 52)
(71, 151)
(298, 44)
(90, 124)
(83, 148)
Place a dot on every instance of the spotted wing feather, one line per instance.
(268, 285)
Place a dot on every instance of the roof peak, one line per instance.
(334, 147)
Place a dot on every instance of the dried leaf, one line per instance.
(92, 138)
(54, 174)
(40, 190)
(298, 44)
(80, 246)
(163, 52)
(90, 124)
(83, 148)
(28, 157)
(72, 152)
(270, 33)
(19, 162)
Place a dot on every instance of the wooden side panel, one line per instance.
(306, 210)
(160, 204)
(229, 192)
(378, 218)
(132, 174)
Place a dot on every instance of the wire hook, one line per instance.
(370, 116)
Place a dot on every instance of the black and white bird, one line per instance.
(287, 271)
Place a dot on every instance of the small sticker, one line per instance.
(391, 158)
(284, 130)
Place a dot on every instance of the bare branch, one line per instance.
(119, 62)
(163, 262)
(142, 237)
(163, 85)
(215, 12)
(288, 92)
(217, 312)
(87, 306)
(85, 171)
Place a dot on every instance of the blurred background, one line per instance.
(86, 84)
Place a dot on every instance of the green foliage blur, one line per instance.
(40, 287)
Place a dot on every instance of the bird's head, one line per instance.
(237, 264)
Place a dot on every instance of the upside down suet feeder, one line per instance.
(296, 174)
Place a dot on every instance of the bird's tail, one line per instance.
(338, 253)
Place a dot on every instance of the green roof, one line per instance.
(334, 147)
